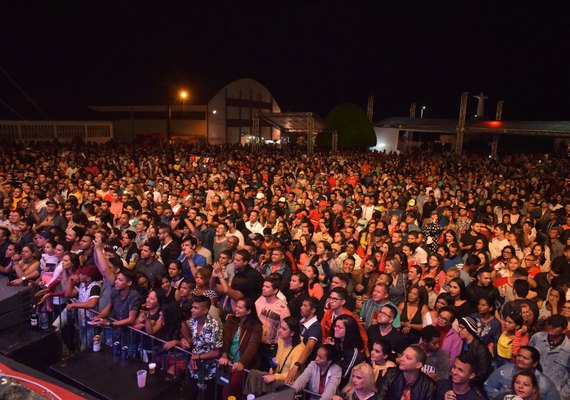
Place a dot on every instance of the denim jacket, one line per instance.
(499, 383)
(555, 362)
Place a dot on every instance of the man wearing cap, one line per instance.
(554, 348)
(87, 293)
(52, 217)
(467, 329)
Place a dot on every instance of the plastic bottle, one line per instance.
(44, 323)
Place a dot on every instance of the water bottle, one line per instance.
(44, 323)
(34, 319)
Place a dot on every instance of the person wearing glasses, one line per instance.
(501, 263)
(384, 329)
(335, 307)
(450, 341)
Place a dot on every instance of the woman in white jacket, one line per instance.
(321, 376)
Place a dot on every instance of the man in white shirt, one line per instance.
(253, 224)
(499, 241)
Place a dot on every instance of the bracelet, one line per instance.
(297, 364)
(23, 278)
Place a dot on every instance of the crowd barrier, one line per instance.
(79, 335)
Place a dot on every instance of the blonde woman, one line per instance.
(361, 385)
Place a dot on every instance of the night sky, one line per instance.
(311, 55)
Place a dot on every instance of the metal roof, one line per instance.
(296, 121)
(535, 128)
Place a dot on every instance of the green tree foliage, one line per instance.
(354, 128)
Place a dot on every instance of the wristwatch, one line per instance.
(297, 364)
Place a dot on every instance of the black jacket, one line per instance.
(481, 354)
(392, 387)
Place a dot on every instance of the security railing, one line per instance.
(78, 334)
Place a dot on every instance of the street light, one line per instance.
(182, 95)
(421, 117)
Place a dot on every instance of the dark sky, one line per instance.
(311, 55)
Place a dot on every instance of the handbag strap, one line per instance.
(284, 361)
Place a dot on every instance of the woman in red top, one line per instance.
(435, 271)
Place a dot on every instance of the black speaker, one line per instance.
(15, 305)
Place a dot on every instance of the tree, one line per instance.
(353, 127)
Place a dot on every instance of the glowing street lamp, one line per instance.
(182, 95)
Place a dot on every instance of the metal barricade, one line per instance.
(77, 333)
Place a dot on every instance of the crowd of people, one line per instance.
(353, 275)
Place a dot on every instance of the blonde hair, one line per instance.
(368, 377)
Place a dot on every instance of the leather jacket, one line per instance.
(392, 386)
(481, 353)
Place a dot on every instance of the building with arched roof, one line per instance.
(232, 109)
(226, 118)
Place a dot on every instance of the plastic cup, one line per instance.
(141, 378)
(151, 368)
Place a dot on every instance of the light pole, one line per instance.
(421, 117)
(182, 95)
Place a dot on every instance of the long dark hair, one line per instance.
(462, 289)
(295, 327)
(352, 337)
(249, 305)
(316, 278)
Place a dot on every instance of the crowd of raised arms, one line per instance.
(352, 275)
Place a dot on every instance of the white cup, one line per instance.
(141, 378)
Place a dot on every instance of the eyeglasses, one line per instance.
(334, 299)
(507, 252)
(443, 319)
(529, 260)
(382, 313)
